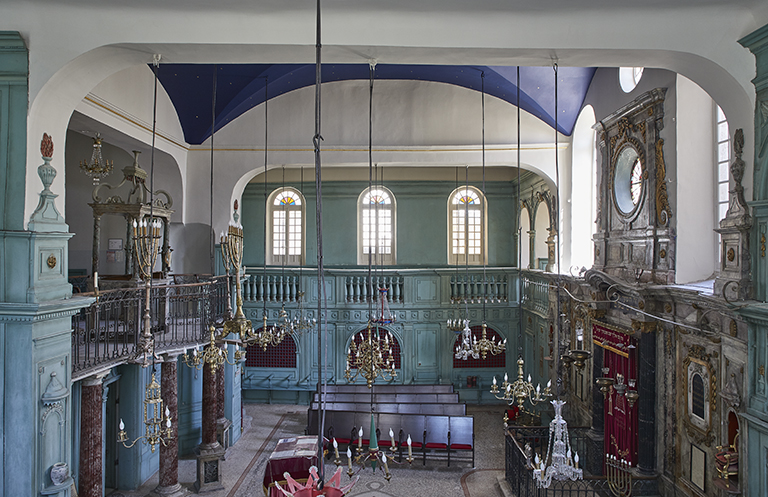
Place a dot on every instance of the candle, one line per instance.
(95, 280)
(392, 438)
(349, 459)
(122, 425)
(410, 453)
(494, 381)
(576, 459)
(335, 448)
(384, 460)
(360, 439)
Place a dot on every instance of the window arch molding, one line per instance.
(286, 208)
(377, 226)
(467, 226)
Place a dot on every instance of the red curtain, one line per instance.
(620, 357)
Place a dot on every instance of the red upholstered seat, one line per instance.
(461, 447)
(437, 446)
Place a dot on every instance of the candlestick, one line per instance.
(410, 452)
(349, 461)
(360, 439)
(392, 439)
(336, 451)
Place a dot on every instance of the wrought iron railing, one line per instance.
(535, 292)
(107, 332)
(519, 471)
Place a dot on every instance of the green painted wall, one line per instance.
(422, 222)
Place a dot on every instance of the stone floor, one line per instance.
(243, 469)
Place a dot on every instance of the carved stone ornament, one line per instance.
(663, 210)
(730, 392)
(698, 362)
(46, 215)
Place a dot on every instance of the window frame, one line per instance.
(462, 259)
(287, 260)
(377, 259)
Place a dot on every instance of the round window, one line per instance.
(628, 181)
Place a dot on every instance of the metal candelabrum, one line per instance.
(371, 358)
(146, 241)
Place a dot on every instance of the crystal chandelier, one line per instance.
(156, 429)
(563, 464)
(371, 358)
(213, 355)
(98, 168)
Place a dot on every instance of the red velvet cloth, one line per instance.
(294, 455)
(621, 436)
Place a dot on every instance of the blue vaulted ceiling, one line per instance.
(240, 87)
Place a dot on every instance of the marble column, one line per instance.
(222, 423)
(169, 485)
(646, 388)
(209, 453)
(91, 428)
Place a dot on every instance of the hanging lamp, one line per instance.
(97, 168)
(482, 347)
(559, 462)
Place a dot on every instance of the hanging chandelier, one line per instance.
(470, 346)
(213, 354)
(521, 390)
(156, 429)
(374, 455)
(97, 168)
(559, 462)
(371, 358)
(232, 255)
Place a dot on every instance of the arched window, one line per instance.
(394, 345)
(466, 226)
(376, 226)
(491, 361)
(697, 388)
(286, 212)
(629, 77)
(283, 355)
(583, 190)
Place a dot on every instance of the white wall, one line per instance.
(583, 190)
(71, 46)
(696, 195)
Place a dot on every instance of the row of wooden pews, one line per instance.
(431, 414)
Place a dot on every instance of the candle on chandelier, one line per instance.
(335, 448)
(392, 438)
(410, 453)
(384, 460)
(360, 439)
(349, 459)
(122, 425)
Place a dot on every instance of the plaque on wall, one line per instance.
(698, 462)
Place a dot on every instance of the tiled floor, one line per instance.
(243, 469)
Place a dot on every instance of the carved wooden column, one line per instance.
(91, 427)
(169, 485)
(209, 453)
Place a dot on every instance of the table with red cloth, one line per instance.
(294, 455)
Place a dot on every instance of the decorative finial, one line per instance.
(46, 146)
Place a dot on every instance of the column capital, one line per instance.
(96, 379)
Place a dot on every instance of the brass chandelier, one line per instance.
(156, 429)
(232, 256)
(213, 354)
(470, 346)
(371, 358)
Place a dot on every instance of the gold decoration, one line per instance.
(731, 254)
(697, 354)
(641, 305)
(663, 210)
(734, 328)
(663, 254)
(668, 308)
(761, 370)
(762, 245)
(51, 261)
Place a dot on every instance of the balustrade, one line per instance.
(107, 332)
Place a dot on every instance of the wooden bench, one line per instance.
(433, 409)
(436, 437)
(389, 389)
(391, 398)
